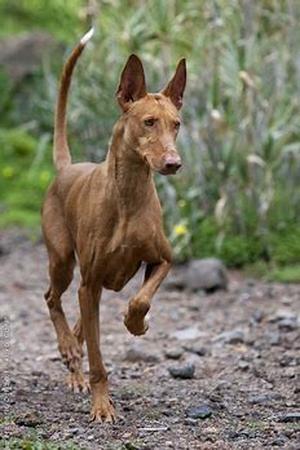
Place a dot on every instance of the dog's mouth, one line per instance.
(163, 169)
(169, 171)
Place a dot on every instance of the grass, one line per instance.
(271, 272)
(287, 274)
(34, 444)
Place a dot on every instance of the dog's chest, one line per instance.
(124, 257)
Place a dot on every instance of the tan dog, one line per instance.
(109, 216)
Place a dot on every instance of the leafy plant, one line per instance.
(238, 195)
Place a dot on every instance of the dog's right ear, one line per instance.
(132, 85)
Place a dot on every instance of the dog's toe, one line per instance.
(77, 382)
(103, 411)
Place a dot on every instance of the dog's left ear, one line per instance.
(175, 88)
(132, 85)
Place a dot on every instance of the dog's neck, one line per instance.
(129, 177)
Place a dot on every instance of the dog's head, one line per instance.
(152, 120)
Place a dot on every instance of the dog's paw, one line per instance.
(134, 320)
(71, 353)
(77, 382)
(134, 326)
(103, 410)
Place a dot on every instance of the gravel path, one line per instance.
(243, 346)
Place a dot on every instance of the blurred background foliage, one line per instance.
(238, 195)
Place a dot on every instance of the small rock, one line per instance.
(250, 282)
(262, 399)
(137, 354)
(3, 251)
(288, 324)
(28, 420)
(282, 314)
(199, 412)
(280, 441)
(200, 351)
(287, 360)
(90, 437)
(183, 372)
(191, 422)
(287, 320)
(188, 334)
(257, 316)
(243, 365)
(274, 338)
(231, 337)
(290, 417)
(173, 353)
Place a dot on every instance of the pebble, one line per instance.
(183, 372)
(199, 412)
(287, 360)
(243, 365)
(274, 338)
(291, 417)
(282, 314)
(28, 420)
(189, 421)
(288, 324)
(287, 320)
(173, 353)
(188, 333)
(231, 337)
(280, 441)
(137, 354)
(200, 351)
(262, 399)
(90, 437)
(257, 316)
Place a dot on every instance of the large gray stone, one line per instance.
(207, 274)
(21, 55)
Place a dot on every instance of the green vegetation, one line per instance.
(274, 272)
(287, 274)
(34, 444)
(26, 170)
(238, 197)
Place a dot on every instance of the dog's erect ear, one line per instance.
(175, 89)
(132, 85)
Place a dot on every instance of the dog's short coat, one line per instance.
(109, 216)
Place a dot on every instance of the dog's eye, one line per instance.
(177, 125)
(149, 122)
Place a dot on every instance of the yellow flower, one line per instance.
(8, 172)
(180, 229)
(45, 177)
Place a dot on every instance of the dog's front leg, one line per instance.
(140, 304)
(102, 407)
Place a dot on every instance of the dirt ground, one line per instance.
(243, 343)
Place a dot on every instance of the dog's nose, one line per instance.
(172, 163)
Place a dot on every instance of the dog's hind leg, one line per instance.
(61, 267)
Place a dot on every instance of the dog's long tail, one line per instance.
(61, 152)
